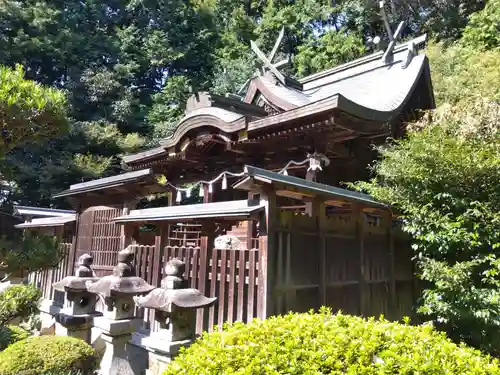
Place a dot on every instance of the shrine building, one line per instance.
(256, 206)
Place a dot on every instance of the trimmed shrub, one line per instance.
(48, 355)
(18, 301)
(11, 334)
(329, 344)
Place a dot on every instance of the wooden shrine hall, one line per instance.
(255, 205)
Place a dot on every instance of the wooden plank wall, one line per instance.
(356, 263)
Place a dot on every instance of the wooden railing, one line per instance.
(230, 275)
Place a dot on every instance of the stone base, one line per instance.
(48, 310)
(160, 351)
(157, 364)
(97, 342)
(77, 326)
(121, 358)
(117, 327)
(82, 334)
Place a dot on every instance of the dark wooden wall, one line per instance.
(354, 262)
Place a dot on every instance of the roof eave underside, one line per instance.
(107, 183)
(315, 188)
(47, 222)
(41, 211)
(232, 210)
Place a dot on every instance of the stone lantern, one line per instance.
(175, 310)
(118, 321)
(76, 319)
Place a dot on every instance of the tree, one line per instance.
(327, 51)
(29, 112)
(112, 58)
(444, 179)
(483, 30)
(116, 60)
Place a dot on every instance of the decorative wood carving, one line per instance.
(270, 110)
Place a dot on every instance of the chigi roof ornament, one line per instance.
(393, 37)
(267, 62)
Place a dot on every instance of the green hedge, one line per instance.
(18, 301)
(11, 334)
(48, 355)
(315, 344)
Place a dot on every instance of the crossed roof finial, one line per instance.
(267, 61)
(393, 37)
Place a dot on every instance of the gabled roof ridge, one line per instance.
(363, 60)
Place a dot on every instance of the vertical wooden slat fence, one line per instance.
(44, 279)
(230, 275)
(233, 278)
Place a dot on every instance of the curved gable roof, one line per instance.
(222, 119)
(369, 87)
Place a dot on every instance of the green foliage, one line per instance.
(443, 20)
(461, 74)
(169, 106)
(32, 252)
(11, 334)
(444, 179)
(29, 112)
(18, 301)
(483, 30)
(329, 50)
(329, 344)
(48, 355)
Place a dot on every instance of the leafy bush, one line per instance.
(444, 178)
(483, 30)
(48, 355)
(18, 301)
(329, 344)
(11, 334)
(33, 252)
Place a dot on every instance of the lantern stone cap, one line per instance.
(112, 286)
(123, 281)
(73, 284)
(163, 299)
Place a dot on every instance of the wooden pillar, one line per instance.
(129, 232)
(387, 218)
(267, 256)
(72, 253)
(310, 176)
(207, 196)
(359, 219)
(202, 284)
(319, 212)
